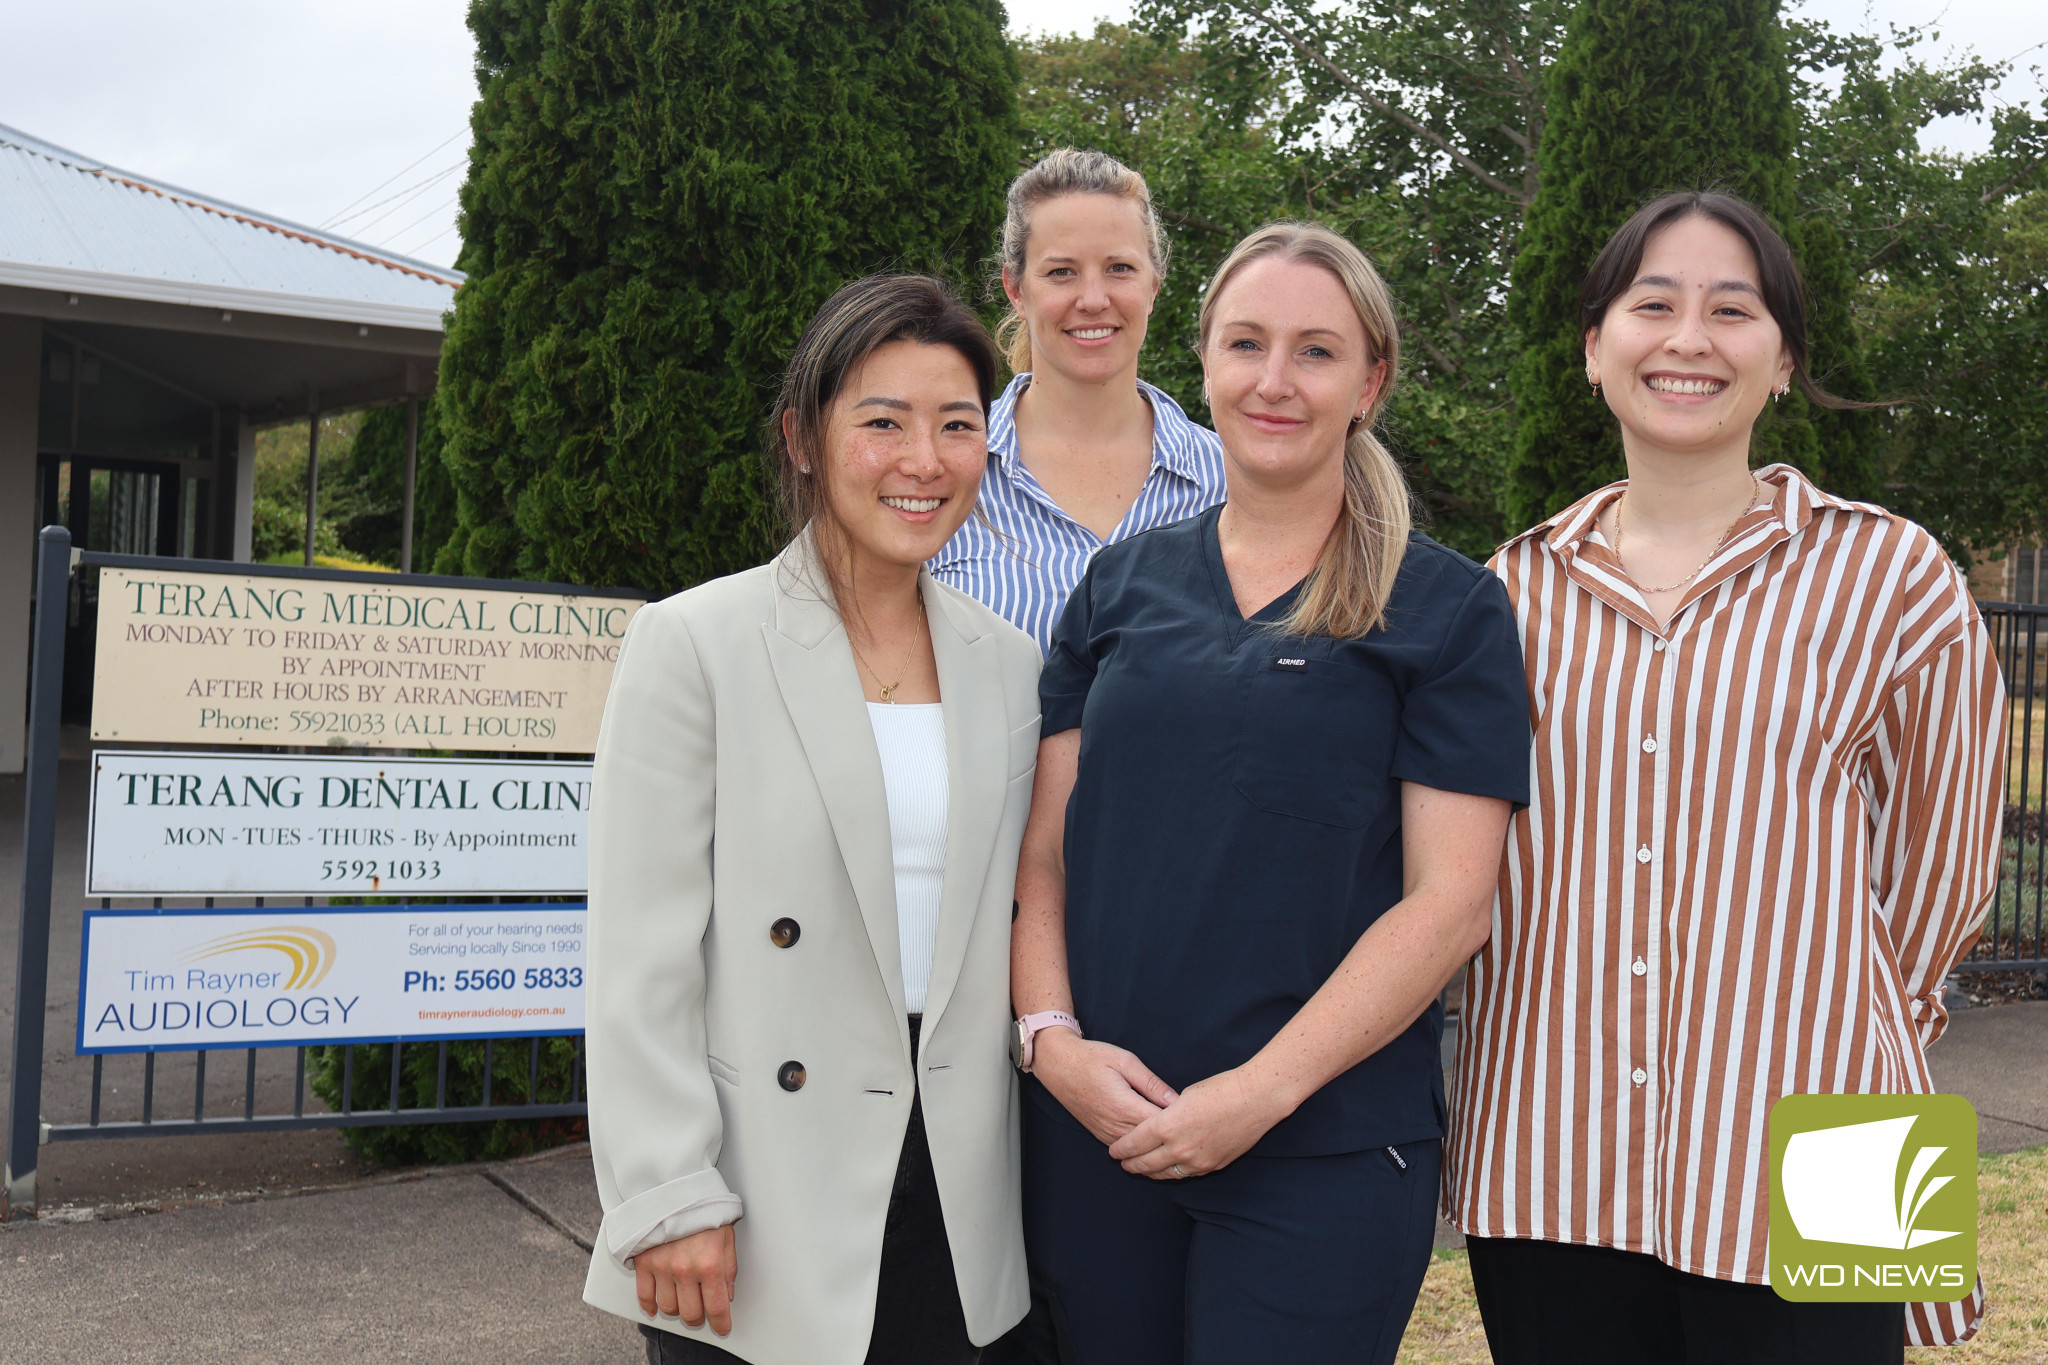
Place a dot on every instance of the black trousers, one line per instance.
(1547, 1303)
(1310, 1260)
(918, 1318)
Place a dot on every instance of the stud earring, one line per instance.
(803, 469)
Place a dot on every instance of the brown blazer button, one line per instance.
(791, 1076)
(785, 932)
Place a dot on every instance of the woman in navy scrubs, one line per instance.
(1283, 739)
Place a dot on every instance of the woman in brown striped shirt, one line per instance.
(1763, 826)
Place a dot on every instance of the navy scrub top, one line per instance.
(1235, 823)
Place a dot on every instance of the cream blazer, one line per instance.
(738, 785)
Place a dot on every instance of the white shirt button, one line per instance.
(1649, 744)
(1658, 647)
(1640, 967)
(1643, 854)
(1639, 1076)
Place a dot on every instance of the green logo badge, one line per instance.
(1873, 1198)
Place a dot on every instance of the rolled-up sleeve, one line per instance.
(1937, 779)
(655, 1129)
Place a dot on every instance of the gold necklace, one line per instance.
(888, 689)
(1756, 489)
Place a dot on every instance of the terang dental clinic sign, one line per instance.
(219, 659)
(242, 824)
(197, 979)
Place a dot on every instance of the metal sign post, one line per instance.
(38, 855)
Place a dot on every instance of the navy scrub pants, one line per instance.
(1312, 1260)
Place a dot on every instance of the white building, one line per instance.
(145, 331)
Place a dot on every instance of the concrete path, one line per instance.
(1997, 1058)
(477, 1266)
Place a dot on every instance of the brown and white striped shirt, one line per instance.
(1758, 839)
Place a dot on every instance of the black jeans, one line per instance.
(918, 1319)
(1546, 1303)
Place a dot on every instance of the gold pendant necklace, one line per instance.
(1756, 489)
(888, 689)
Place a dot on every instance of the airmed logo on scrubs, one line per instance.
(311, 951)
(1873, 1198)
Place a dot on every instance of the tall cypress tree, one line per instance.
(660, 194)
(1649, 96)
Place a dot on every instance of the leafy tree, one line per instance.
(1422, 129)
(278, 514)
(1951, 255)
(1414, 129)
(1199, 124)
(1642, 99)
(659, 196)
(371, 496)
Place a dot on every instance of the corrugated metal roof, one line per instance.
(70, 223)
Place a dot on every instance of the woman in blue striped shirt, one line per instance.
(1082, 452)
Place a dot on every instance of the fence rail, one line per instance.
(2013, 938)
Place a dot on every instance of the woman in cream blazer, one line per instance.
(769, 1117)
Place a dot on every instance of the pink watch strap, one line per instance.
(1029, 1025)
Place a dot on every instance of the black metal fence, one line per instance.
(2013, 938)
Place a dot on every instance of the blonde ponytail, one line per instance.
(1347, 593)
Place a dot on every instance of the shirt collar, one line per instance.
(1173, 433)
(1794, 500)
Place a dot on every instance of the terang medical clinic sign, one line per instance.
(197, 979)
(231, 659)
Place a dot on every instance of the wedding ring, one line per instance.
(1178, 1173)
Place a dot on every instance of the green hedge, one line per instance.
(409, 1144)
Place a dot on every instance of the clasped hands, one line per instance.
(1150, 1128)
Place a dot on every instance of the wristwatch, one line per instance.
(1031, 1024)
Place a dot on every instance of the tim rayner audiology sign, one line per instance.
(216, 658)
(196, 824)
(193, 979)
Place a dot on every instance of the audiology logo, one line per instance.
(1873, 1198)
(310, 951)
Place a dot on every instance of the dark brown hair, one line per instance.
(852, 325)
(1784, 291)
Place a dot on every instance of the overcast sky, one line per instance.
(353, 114)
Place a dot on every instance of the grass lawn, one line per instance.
(2012, 1253)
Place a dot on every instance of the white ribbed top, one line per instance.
(912, 741)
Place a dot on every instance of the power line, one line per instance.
(414, 188)
(388, 240)
(343, 211)
(398, 202)
(418, 247)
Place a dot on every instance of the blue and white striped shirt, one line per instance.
(1025, 560)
